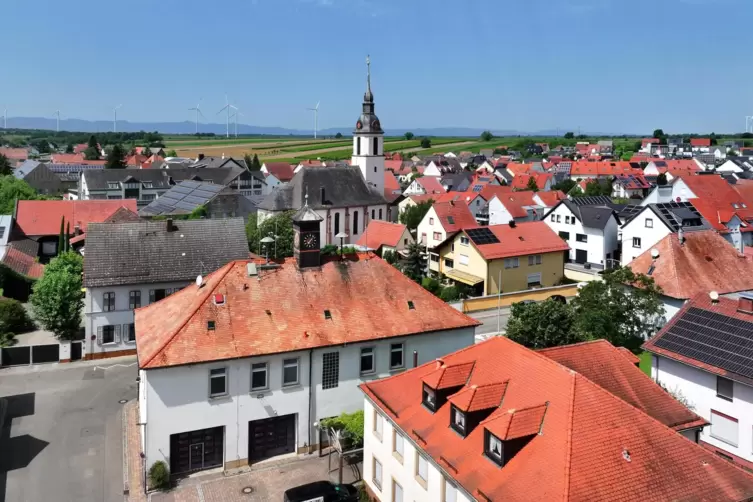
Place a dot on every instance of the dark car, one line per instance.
(322, 491)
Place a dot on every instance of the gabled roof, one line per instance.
(590, 216)
(551, 198)
(617, 372)
(15, 153)
(43, 217)
(700, 141)
(674, 215)
(516, 202)
(589, 445)
(283, 171)
(22, 263)
(183, 198)
(381, 233)
(430, 184)
(454, 216)
(632, 181)
(97, 180)
(490, 191)
(148, 252)
(704, 262)
(530, 237)
(716, 200)
(521, 181)
(367, 299)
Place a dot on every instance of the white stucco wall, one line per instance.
(649, 236)
(403, 471)
(177, 398)
(598, 242)
(699, 387)
(498, 213)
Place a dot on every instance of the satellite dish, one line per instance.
(199, 280)
(654, 253)
(714, 296)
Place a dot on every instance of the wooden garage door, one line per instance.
(196, 450)
(271, 437)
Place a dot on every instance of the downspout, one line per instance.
(311, 392)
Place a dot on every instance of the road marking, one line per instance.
(114, 366)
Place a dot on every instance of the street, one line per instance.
(490, 320)
(62, 435)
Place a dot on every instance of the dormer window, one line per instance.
(493, 447)
(457, 421)
(429, 398)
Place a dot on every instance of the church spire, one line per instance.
(368, 97)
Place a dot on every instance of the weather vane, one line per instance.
(368, 70)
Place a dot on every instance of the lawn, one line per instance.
(645, 364)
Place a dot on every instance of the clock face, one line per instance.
(359, 125)
(309, 241)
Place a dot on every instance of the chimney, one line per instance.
(170, 226)
(745, 303)
(440, 363)
(512, 223)
(201, 156)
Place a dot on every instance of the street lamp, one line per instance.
(266, 241)
(342, 236)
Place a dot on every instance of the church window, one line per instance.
(337, 223)
(358, 146)
(355, 222)
(376, 146)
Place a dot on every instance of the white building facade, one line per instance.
(588, 245)
(640, 234)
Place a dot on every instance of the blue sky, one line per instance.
(601, 65)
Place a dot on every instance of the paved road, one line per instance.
(62, 437)
(489, 318)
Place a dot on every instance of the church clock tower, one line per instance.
(368, 140)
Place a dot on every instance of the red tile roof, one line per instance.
(516, 424)
(700, 141)
(515, 202)
(646, 141)
(705, 262)
(430, 184)
(447, 377)
(717, 200)
(15, 153)
(381, 233)
(42, 217)
(479, 397)
(602, 168)
(551, 198)
(393, 165)
(516, 168)
(591, 445)
(366, 296)
(632, 181)
(22, 263)
(280, 170)
(457, 211)
(521, 182)
(422, 198)
(80, 147)
(67, 158)
(678, 167)
(390, 185)
(531, 237)
(609, 367)
(464, 197)
(490, 191)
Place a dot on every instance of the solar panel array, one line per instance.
(660, 163)
(675, 212)
(481, 236)
(72, 168)
(478, 188)
(183, 198)
(711, 338)
(593, 200)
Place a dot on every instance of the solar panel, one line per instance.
(184, 198)
(711, 338)
(478, 188)
(660, 163)
(481, 236)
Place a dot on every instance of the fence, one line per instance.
(38, 354)
(507, 299)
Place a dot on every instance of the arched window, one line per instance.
(380, 213)
(373, 213)
(358, 146)
(337, 223)
(355, 222)
(376, 146)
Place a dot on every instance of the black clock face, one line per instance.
(309, 241)
(359, 125)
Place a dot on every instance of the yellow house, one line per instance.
(520, 255)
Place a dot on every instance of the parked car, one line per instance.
(322, 491)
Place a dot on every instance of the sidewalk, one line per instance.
(267, 482)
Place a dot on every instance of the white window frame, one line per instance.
(529, 282)
(649, 223)
(377, 480)
(422, 461)
(378, 428)
(217, 375)
(396, 485)
(463, 259)
(108, 301)
(512, 262)
(398, 445)
(464, 240)
(369, 352)
(637, 242)
(292, 362)
(394, 349)
(262, 367)
(449, 490)
(127, 332)
(534, 259)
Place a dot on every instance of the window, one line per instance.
(134, 299)
(649, 223)
(380, 213)
(581, 237)
(493, 447)
(553, 219)
(376, 149)
(534, 259)
(567, 219)
(434, 257)
(289, 372)
(449, 263)
(422, 469)
(397, 492)
(398, 444)
(113, 186)
(724, 388)
(258, 376)
(330, 370)
(512, 262)
(217, 382)
(724, 428)
(437, 236)
(457, 422)
(49, 248)
(367, 360)
(636, 242)
(559, 218)
(130, 331)
(423, 238)
(449, 491)
(377, 478)
(358, 146)
(373, 213)
(108, 302)
(396, 356)
(211, 325)
(108, 334)
(464, 240)
(463, 259)
(565, 235)
(156, 295)
(2, 232)
(378, 424)
(534, 279)
(337, 223)
(431, 221)
(355, 222)
(429, 398)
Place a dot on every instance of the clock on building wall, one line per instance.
(309, 241)
(359, 125)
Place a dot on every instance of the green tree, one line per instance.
(279, 225)
(614, 310)
(146, 152)
(13, 317)
(255, 163)
(713, 139)
(408, 135)
(658, 133)
(486, 136)
(425, 143)
(413, 215)
(69, 148)
(248, 160)
(5, 167)
(68, 236)
(338, 135)
(93, 143)
(57, 298)
(661, 180)
(13, 189)
(91, 153)
(116, 158)
(541, 325)
(390, 257)
(171, 153)
(565, 185)
(61, 237)
(596, 187)
(532, 184)
(569, 135)
(415, 264)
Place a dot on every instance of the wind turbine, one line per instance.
(227, 108)
(235, 116)
(5, 118)
(316, 117)
(115, 118)
(57, 113)
(198, 112)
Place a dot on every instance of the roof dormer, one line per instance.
(473, 404)
(443, 382)
(508, 433)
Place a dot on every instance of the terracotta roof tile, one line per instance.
(479, 397)
(381, 233)
(430, 184)
(42, 217)
(515, 424)
(447, 377)
(521, 182)
(15, 153)
(454, 216)
(367, 298)
(700, 141)
(581, 453)
(490, 191)
(551, 198)
(283, 171)
(22, 263)
(531, 237)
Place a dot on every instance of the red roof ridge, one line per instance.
(569, 436)
(219, 275)
(561, 347)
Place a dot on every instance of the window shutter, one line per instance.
(117, 333)
(151, 296)
(126, 333)
(99, 335)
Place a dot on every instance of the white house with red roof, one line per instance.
(518, 206)
(424, 185)
(381, 236)
(441, 220)
(243, 366)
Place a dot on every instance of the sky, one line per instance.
(612, 66)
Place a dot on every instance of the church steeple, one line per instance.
(368, 140)
(368, 122)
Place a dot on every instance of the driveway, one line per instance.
(62, 435)
(491, 319)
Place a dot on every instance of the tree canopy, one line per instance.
(415, 264)
(91, 153)
(425, 143)
(413, 215)
(532, 184)
(116, 158)
(12, 189)
(486, 136)
(5, 167)
(57, 299)
(542, 325)
(565, 185)
(569, 135)
(279, 225)
(338, 135)
(408, 135)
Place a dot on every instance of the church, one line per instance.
(345, 198)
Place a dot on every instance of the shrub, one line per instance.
(431, 285)
(351, 424)
(8, 339)
(13, 317)
(159, 476)
(449, 294)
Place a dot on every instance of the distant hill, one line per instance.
(188, 127)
